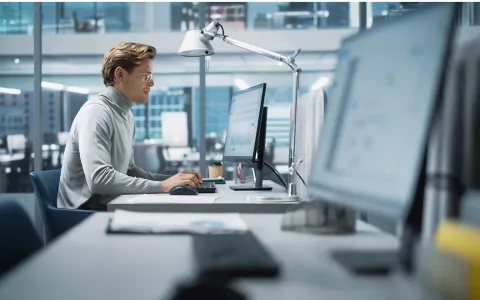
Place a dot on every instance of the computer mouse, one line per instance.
(183, 190)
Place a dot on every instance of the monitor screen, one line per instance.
(176, 128)
(63, 137)
(386, 87)
(16, 142)
(243, 124)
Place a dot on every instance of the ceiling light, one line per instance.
(76, 89)
(52, 85)
(16, 60)
(10, 91)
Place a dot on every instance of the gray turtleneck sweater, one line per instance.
(98, 162)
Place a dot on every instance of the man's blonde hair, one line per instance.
(127, 56)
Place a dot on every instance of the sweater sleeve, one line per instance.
(94, 143)
(136, 171)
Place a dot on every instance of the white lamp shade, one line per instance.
(195, 44)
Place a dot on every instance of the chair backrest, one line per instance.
(17, 235)
(45, 184)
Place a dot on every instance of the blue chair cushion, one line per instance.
(18, 237)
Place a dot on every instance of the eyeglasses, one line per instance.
(149, 77)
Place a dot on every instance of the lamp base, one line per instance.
(292, 190)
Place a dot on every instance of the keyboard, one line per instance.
(233, 255)
(207, 187)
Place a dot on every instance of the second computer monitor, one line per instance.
(372, 148)
(245, 140)
(244, 124)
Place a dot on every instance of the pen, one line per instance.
(239, 171)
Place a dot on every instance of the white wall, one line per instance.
(169, 42)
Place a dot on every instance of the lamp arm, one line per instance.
(288, 60)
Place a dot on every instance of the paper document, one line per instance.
(141, 222)
(161, 198)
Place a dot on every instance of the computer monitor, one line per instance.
(175, 133)
(387, 85)
(245, 140)
(16, 143)
(63, 138)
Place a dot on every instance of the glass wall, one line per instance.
(105, 17)
(111, 17)
(379, 12)
(297, 15)
(71, 77)
(17, 129)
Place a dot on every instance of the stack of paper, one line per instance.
(127, 221)
(166, 198)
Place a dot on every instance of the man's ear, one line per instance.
(118, 74)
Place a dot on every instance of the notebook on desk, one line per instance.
(165, 198)
(164, 223)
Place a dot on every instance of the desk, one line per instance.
(86, 263)
(7, 158)
(228, 201)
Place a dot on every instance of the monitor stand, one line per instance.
(258, 186)
(383, 262)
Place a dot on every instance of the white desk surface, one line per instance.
(7, 158)
(86, 263)
(227, 201)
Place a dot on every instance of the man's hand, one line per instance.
(194, 173)
(185, 178)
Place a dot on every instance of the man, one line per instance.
(98, 162)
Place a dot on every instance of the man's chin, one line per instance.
(142, 100)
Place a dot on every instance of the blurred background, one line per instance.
(75, 37)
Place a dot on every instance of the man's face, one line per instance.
(137, 84)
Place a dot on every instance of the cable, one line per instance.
(276, 173)
(302, 179)
(223, 32)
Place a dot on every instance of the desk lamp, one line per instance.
(197, 43)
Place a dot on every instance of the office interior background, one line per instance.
(76, 35)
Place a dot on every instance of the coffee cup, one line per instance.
(215, 169)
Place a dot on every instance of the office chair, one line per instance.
(18, 237)
(166, 166)
(3, 144)
(57, 220)
(18, 177)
